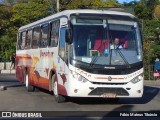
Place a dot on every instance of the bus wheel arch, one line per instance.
(52, 73)
(59, 98)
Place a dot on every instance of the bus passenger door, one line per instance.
(61, 52)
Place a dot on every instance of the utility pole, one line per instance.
(57, 5)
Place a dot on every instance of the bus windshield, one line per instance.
(106, 42)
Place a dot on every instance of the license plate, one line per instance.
(109, 95)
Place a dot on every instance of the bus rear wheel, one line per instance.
(59, 98)
(29, 87)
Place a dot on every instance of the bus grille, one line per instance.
(103, 83)
(118, 91)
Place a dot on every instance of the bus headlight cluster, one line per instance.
(137, 79)
(82, 79)
(74, 75)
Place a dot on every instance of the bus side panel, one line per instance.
(43, 61)
(25, 62)
(22, 62)
(61, 84)
(37, 80)
(19, 74)
(36, 70)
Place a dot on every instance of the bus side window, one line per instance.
(19, 41)
(45, 35)
(62, 43)
(36, 37)
(54, 33)
(23, 40)
(28, 39)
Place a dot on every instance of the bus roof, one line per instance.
(68, 12)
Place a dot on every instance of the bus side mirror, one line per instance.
(68, 36)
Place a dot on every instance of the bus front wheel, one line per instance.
(59, 98)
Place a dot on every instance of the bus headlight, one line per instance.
(82, 79)
(74, 75)
(137, 79)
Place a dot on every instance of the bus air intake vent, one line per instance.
(102, 83)
(119, 91)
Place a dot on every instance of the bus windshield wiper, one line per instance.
(122, 56)
(94, 59)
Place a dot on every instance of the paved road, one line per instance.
(16, 98)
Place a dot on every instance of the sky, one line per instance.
(121, 1)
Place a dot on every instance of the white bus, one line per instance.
(70, 54)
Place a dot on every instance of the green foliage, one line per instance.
(151, 41)
(144, 10)
(95, 4)
(13, 16)
(151, 52)
(109, 3)
(24, 13)
(5, 15)
(7, 47)
(150, 28)
(156, 51)
(157, 12)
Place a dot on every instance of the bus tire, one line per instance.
(29, 87)
(59, 98)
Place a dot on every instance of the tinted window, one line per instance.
(19, 37)
(62, 43)
(36, 36)
(23, 40)
(28, 39)
(54, 33)
(45, 35)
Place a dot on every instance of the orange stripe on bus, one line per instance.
(103, 78)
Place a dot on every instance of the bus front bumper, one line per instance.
(89, 89)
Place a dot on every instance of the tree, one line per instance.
(95, 4)
(5, 15)
(150, 29)
(14, 14)
(141, 11)
(157, 12)
(52, 6)
(6, 42)
(24, 13)
(7, 47)
(64, 4)
(145, 9)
